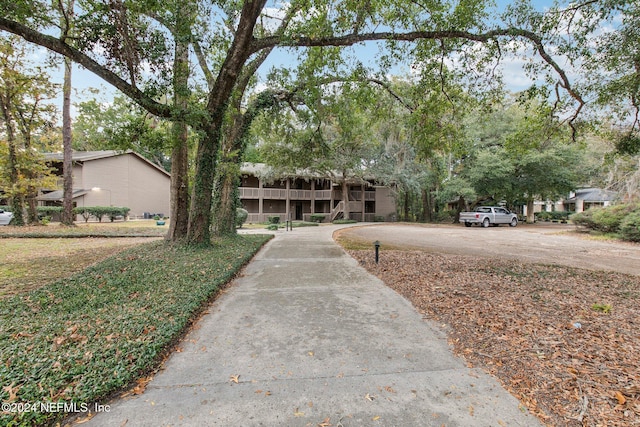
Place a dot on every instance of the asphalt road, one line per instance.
(538, 243)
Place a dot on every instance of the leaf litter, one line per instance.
(537, 328)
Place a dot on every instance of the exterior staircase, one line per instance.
(338, 211)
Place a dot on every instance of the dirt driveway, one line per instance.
(537, 243)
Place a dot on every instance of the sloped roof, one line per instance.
(58, 195)
(594, 195)
(263, 170)
(86, 156)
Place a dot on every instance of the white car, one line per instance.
(5, 217)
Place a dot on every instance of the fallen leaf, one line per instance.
(85, 419)
(234, 378)
(297, 413)
(376, 418)
(621, 399)
(141, 385)
(13, 391)
(325, 423)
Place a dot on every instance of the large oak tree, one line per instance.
(128, 43)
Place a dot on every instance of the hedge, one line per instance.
(622, 219)
(112, 212)
(630, 227)
(100, 211)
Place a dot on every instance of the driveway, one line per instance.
(537, 243)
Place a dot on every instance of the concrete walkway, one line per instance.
(311, 338)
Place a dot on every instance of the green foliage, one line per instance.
(241, 217)
(621, 219)
(83, 338)
(112, 212)
(552, 216)
(584, 219)
(630, 227)
(318, 217)
(628, 144)
(272, 227)
(608, 219)
(49, 210)
(274, 219)
(603, 308)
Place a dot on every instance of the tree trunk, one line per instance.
(226, 200)
(460, 208)
(426, 206)
(345, 196)
(531, 216)
(405, 214)
(67, 162)
(32, 205)
(179, 215)
(200, 211)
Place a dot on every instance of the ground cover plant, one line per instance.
(85, 337)
(562, 340)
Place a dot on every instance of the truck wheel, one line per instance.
(486, 223)
(467, 224)
(513, 222)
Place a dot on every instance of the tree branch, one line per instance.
(354, 38)
(387, 87)
(58, 46)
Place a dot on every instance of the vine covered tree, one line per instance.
(129, 43)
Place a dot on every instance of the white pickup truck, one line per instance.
(489, 215)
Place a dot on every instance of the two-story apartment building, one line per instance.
(113, 178)
(298, 196)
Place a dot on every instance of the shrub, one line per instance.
(49, 210)
(585, 219)
(317, 217)
(100, 211)
(272, 227)
(275, 219)
(552, 216)
(379, 218)
(241, 217)
(630, 227)
(608, 219)
(445, 216)
(543, 216)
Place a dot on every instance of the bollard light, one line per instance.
(377, 246)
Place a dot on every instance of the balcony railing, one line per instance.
(281, 194)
